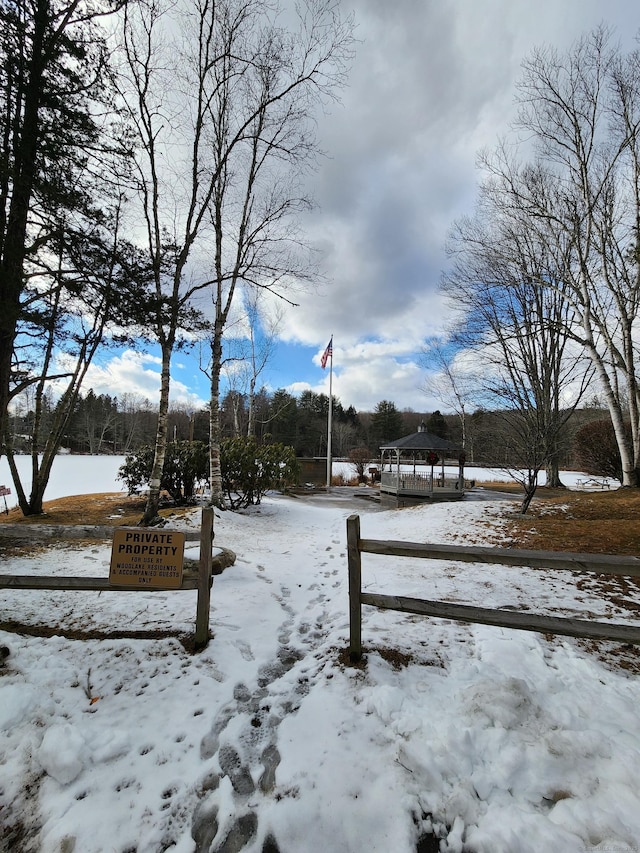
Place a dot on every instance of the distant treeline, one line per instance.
(102, 424)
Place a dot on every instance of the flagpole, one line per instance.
(329, 419)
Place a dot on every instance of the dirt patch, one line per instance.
(583, 522)
(395, 657)
(107, 508)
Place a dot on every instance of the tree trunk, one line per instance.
(630, 474)
(530, 485)
(150, 516)
(13, 250)
(41, 464)
(251, 417)
(215, 470)
(20, 493)
(553, 475)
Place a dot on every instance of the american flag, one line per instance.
(327, 353)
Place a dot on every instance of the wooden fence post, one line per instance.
(204, 579)
(355, 581)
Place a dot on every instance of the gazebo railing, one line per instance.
(417, 482)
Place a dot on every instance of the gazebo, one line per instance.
(400, 460)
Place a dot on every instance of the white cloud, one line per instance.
(431, 85)
(138, 373)
(370, 371)
(382, 378)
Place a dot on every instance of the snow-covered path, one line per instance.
(492, 740)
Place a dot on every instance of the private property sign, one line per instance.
(4, 491)
(147, 558)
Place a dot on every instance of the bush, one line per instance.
(249, 470)
(136, 471)
(186, 463)
(185, 466)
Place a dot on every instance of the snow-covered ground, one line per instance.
(495, 741)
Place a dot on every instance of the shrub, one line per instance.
(249, 470)
(186, 463)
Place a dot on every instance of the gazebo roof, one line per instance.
(421, 440)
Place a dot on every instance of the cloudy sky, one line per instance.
(432, 83)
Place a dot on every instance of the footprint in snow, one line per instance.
(232, 766)
(255, 747)
(244, 649)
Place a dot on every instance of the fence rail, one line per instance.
(598, 563)
(200, 581)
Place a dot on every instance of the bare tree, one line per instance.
(249, 348)
(222, 110)
(533, 372)
(129, 408)
(361, 458)
(345, 435)
(452, 381)
(269, 85)
(581, 195)
(262, 341)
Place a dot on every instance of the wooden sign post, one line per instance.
(4, 491)
(205, 579)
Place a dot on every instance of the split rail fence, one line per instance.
(201, 581)
(597, 563)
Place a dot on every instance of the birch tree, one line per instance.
(269, 86)
(580, 192)
(174, 182)
(222, 96)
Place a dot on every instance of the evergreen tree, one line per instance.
(437, 425)
(54, 101)
(386, 423)
(93, 426)
(281, 421)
